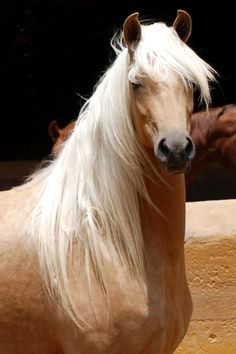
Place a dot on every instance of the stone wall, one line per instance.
(211, 270)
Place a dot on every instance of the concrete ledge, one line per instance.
(211, 269)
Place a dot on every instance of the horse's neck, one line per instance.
(163, 229)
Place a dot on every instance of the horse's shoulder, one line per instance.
(15, 208)
(16, 201)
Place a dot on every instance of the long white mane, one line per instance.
(90, 194)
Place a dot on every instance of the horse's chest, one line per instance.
(148, 325)
(135, 323)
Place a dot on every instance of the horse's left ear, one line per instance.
(132, 31)
(183, 25)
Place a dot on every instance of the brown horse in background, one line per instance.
(213, 133)
(59, 135)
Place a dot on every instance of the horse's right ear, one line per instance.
(183, 25)
(132, 31)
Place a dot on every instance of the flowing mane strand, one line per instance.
(90, 194)
(161, 51)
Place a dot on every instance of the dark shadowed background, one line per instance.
(53, 51)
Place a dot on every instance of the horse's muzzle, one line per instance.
(175, 153)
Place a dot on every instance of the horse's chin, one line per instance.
(176, 169)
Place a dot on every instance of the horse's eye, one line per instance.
(135, 85)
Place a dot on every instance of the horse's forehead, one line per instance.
(156, 74)
(166, 81)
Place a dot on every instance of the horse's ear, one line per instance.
(53, 130)
(132, 31)
(183, 25)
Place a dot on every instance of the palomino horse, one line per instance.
(92, 245)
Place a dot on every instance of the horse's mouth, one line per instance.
(174, 168)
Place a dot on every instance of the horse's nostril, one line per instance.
(189, 149)
(164, 148)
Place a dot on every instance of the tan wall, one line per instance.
(211, 270)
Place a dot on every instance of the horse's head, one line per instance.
(161, 98)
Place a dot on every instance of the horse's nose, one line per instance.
(175, 153)
(184, 148)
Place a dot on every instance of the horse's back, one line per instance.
(24, 325)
